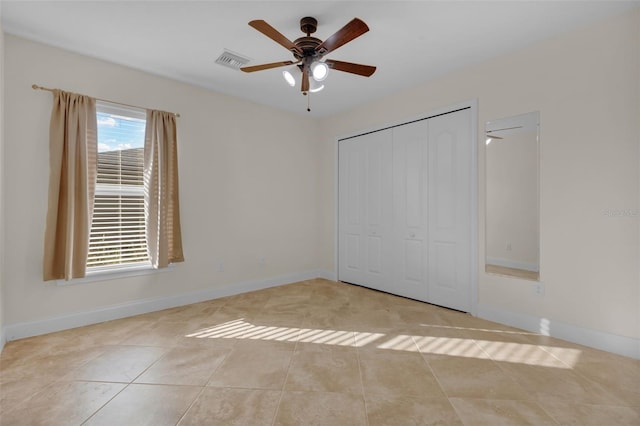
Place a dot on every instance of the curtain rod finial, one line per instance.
(35, 86)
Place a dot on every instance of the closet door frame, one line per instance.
(473, 214)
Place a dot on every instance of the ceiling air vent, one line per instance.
(232, 60)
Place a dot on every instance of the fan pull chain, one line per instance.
(309, 102)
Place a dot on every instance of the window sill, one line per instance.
(115, 274)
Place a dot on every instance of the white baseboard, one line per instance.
(622, 345)
(515, 264)
(137, 307)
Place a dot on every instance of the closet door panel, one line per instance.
(352, 250)
(410, 152)
(378, 213)
(450, 210)
(351, 214)
(369, 211)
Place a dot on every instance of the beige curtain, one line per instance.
(164, 239)
(72, 181)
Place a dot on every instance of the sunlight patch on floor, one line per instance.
(512, 352)
(399, 342)
(365, 338)
(454, 346)
(327, 337)
(488, 330)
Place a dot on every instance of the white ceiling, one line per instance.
(410, 42)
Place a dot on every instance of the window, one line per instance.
(117, 239)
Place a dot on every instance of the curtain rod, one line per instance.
(36, 87)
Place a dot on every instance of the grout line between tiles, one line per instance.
(435, 377)
(552, 417)
(105, 404)
(286, 377)
(191, 405)
(364, 399)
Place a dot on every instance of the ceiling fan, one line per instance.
(490, 133)
(309, 51)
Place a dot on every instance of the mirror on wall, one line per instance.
(512, 222)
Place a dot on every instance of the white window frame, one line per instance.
(128, 269)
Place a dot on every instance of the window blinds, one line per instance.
(117, 235)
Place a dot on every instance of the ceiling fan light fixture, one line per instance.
(288, 76)
(309, 53)
(319, 71)
(315, 86)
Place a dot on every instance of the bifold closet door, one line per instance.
(450, 216)
(365, 210)
(405, 213)
(410, 202)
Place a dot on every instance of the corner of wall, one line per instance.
(143, 306)
(2, 333)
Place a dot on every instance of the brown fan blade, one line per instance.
(305, 79)
(364, 70)
(353, 29)
(274, 35)
(255, 68)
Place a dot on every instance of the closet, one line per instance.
(405, 209)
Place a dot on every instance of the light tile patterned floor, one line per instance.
(312, 353)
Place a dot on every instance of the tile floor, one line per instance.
(312, 353)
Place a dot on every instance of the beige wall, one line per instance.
(585, 85)
(247, 180)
